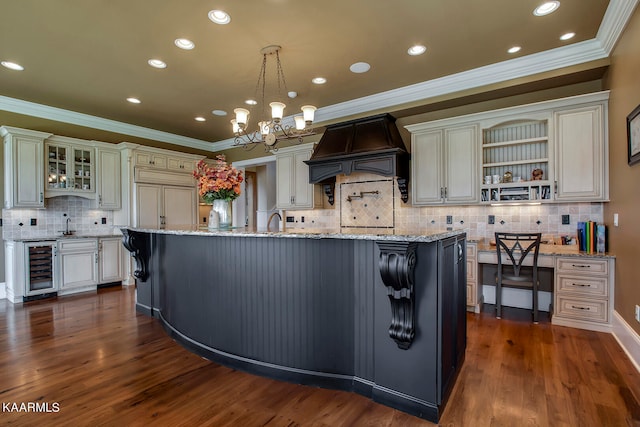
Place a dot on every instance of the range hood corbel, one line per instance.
(371, 144)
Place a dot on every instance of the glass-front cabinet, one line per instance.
(70, 169)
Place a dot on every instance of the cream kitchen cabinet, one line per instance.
(110, 259)
(78, 267)
(444, 165)
(23, 167)
(584, 292)
(108, 180)
(151, 159)
(474, 289)
(181, 165)
(582, 153)
(70, 165)
(293, 190)
(159, 206)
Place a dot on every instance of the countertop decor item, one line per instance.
(219, 185)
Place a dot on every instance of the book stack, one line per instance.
(592, 237)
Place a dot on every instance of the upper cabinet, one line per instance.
(108, 179)
(165, 160)
(582, 153)
(23, 167)
(70, 165)
(293, 190)
(444, 165)
(552, 151)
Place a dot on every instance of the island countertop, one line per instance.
(310, 233)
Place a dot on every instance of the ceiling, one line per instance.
(89, 56)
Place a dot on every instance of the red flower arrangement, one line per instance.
(220, 181)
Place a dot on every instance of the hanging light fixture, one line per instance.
(271, 129)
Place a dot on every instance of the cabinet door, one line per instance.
(110, 260)
(148, 205)
(302, 190)
(285, 174)
(28, 181)
(426, 168)
(581, 166)
(179, 206)
(108, 180)
(461, 164)
(78, 269)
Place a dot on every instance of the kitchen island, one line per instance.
(380, 315)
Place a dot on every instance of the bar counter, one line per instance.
(379, 315)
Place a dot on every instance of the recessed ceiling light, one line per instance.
(12, 65)
(360, 67)
(514, 49)
(200, 119)
(292, 94)
(219, 17)
(417, 50)
(567, 36)
(251, 102)
(185, 44)
(546, 8)
(157, 63)
(319, 80)
(219, 113)
(134, 100)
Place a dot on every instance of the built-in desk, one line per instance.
(579, 286)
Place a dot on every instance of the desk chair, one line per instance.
(516, 246)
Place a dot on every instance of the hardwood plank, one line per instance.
(104, 364)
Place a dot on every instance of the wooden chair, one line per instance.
(515, 247)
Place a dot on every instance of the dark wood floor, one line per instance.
(105, 365)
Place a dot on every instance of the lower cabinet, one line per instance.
(110, 259)
(78, 265)
(474, 290)
(584, 292)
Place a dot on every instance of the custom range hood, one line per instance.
(371, 144)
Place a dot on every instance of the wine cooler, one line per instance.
(40, 268)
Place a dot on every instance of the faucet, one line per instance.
(67, 231)
(271, 217)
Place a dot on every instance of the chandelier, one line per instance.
(271, 129)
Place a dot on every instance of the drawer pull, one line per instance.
(575, 307)
(580, 266)
(582, 285)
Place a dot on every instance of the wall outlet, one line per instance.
(491, 219)
(566, 220)
(104, 220)
(301, 219)
(290, 219)
(449, 219)
(637, 313)
(34, 221)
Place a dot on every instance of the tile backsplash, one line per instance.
(544, 218)
(52, 220)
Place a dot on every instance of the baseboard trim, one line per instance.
(628, 339)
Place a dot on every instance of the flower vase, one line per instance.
(214, 220)
(223, 208)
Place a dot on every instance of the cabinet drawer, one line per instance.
(582, 265)
(75, 245)
(585, 286)
(582, 309)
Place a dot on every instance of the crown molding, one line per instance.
(81, 119)
(615, 19)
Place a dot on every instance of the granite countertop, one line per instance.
(392, 235)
